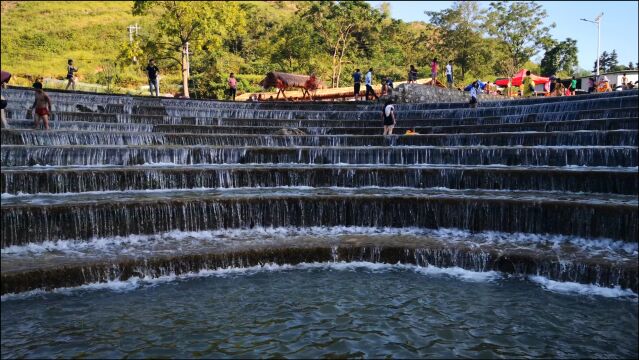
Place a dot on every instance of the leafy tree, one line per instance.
(607, 62)
(189, 26)
(461, 27)
(519, 25)
(630, 66)
(560, 56)
(294, 44)
(337, 23)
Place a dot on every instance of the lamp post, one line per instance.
(598, 22)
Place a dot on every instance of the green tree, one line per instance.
(294, 44)
(337, 22)
(461, 27)
(560, 56)
(189, 26)
(520, 27)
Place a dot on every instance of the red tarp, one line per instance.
(518, 77)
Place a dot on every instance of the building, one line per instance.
(614, 77)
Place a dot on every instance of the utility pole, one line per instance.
(132, 29)
(598, 22)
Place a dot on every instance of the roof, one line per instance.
(609, 73)
(290, 80)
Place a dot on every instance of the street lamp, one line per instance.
(598, 22)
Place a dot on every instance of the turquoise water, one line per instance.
(338, 310)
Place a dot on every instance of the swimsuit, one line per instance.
(42, 111)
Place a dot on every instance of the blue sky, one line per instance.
(619, 25)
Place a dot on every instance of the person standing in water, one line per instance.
(357, 81)
(573, 86)
(70, 76)
(434, 66)
(41, 105)
(473, 94)
(388, 115)
(449, 74)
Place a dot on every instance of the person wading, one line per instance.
(232, 85)
(388, 115)
(70, 76)
(369, 84)
(42, 106)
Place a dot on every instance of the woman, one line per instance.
(388, 115)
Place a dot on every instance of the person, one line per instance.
(573, 86)
(41, 105)
(449, 74)
(384, 86)
(559, 87)
(412, 75)
(624, 81)
(259, 98)
(553, 81)
(433, 70)
(509, 87)
(357, 80)
(388, 115)
(152, 72)
(411, 132)
(232, 85)
(5, 76)
(368, 80)
(591, 85)
(70, 70)
(529, 85)
(389, 83)
(473, 94)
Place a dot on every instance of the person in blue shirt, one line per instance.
(357, 80)
(369, 84)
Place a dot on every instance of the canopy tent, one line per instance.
(518, 78)
(287, 80)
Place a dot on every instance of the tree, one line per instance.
(630, 66)
(607, 62)
(186, 26)
(461, 27)
(337, 22)
(560, 56)
(520, 27)
(294, 44)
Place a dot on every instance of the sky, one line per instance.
(619, 25)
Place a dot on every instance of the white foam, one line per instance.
(582, 289)
(448, 235)
(135, 282)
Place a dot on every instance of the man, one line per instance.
(449, 74)
(624, 81)
(232, 85)
(42, 106)
(357, 80)
(70, 70)
(369, 84)
(529, 85)
(154, 82)
(573, 86)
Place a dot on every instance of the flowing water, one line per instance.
(324, 310)
(144, 227)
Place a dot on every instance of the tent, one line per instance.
(518, 77)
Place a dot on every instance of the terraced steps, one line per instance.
(132, 186)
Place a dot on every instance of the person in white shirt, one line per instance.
(449, 74)
(388, 115)
(368, 80)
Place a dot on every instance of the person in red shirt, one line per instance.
(232, 85)
(434, 66)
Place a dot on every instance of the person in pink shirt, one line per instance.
(232, 85)
(433, 70)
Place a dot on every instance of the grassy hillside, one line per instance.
(38, 37)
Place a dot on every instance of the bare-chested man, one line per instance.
(42, 106)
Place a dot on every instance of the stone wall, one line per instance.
(416, 93)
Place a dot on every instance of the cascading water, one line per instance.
(127, 191)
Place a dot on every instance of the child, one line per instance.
(42, 106)
(70, 70)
